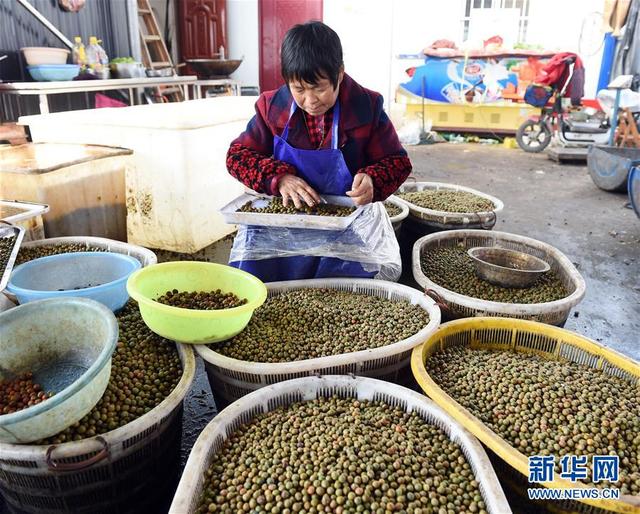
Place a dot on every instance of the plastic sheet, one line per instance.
(628, 100)
(369, 240)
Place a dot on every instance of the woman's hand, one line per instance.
(362, 189)
(297, 190)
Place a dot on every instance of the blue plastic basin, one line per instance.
(67, 344)
(95, 275)
(50, 72)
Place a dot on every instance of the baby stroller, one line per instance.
(561, 79)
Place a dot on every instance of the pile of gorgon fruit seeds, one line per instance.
(6, 247)
(19, 393)
(145, 368)
(392, 209)
(29, 254)
(340, 456)
(201, 300)
(310, 323)
(453, 269)
(276, 206)
(546, 407)
(448, 200)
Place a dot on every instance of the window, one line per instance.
(521, 5)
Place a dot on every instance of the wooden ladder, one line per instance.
(154, 51)
(627, 133)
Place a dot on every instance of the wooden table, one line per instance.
(199, 84)
(44, 89)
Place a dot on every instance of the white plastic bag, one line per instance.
(409, 134)
(369, 240)
(628, 100)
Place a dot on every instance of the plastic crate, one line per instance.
(104, 473)
(530, 337)
(462, 306)
(145, 256)
(502, 118)
(449, 220)
(7, 231)
(26, 215)
(305, 389)
(83, 184)
(232, 378)
(396, 221)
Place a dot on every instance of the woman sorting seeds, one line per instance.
(320, 134)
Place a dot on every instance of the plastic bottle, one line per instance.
(97, 59)
(78, 53)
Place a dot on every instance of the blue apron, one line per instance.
(326, 171)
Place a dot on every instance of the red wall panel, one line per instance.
(275, 18)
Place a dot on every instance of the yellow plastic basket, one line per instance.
(488, 333)
(504, 118)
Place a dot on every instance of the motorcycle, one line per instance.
(573, 126)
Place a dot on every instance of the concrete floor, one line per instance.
(560, 205)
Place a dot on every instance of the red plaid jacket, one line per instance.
(367, 140)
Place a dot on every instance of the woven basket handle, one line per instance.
(491, 221)
(438, 299)
(76, 466)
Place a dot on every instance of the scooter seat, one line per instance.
(585, 127)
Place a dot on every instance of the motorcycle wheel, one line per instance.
(533, 136)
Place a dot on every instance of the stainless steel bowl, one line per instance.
(507, 268)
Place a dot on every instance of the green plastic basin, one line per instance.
(188, 325)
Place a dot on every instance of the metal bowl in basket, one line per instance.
(507, 268)
(463, 306)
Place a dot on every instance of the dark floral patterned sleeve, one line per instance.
(389, 166)
(255, 170)
(387, 175)
(250, 156)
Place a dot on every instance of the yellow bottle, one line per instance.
(78, 53)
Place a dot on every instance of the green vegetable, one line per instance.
(123, 60)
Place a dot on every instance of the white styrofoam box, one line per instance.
(180, 178)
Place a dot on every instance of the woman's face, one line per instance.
(315, 99)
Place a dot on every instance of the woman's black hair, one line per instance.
(311, 51)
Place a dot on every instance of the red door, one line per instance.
(202, 27)
(276, 17)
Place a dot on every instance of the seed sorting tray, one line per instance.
(15, 211)
(231, 215)
(8, 230)
(449, 220)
